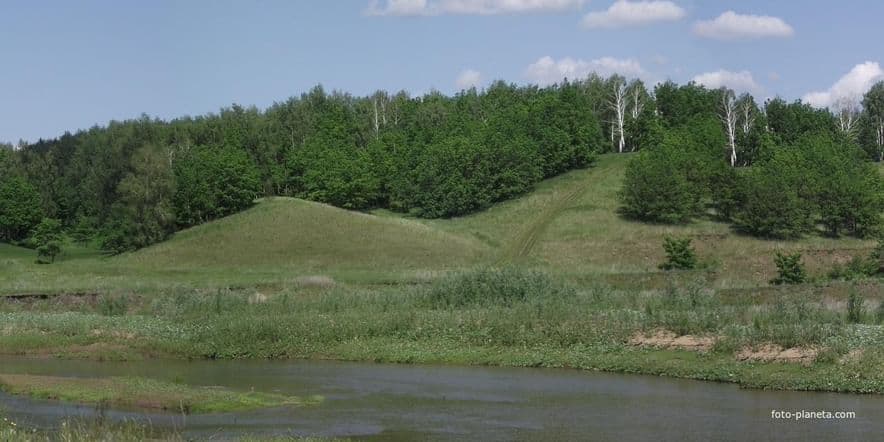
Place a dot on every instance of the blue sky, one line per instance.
(70, 65)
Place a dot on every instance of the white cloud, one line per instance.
(546, 70)
(632, 13)
(733, 26)
(468, 78)
(470, 7)
(738, 81)
(659, 60)
(853, 84)
(398, 7)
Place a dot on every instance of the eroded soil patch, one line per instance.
(666, 339)
(775, 353)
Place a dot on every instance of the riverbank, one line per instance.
(486, 317)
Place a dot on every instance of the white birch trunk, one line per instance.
(637, 103)
(848, 111)
(880, 139)
(377, 132)
(619, 104)
(729, 118)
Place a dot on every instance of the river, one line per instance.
(416, 402)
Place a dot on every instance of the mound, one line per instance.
(293, 233)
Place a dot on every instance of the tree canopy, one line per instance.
(134, 182)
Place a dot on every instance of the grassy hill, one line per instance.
(277, 241)
(303, 235)
(568, 225)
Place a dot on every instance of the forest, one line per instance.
(774, 170)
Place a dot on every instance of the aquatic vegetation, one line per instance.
(145, 394)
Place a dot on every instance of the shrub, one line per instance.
(47, 238)
(495, 287)
(113, 305)
(855, 307)
(857, 268)
(790, 269)
(84, 230)
(877, 255)
(679, 254)
(817, 180)
(849, 191)
(656, 188)
(19, 208)
(726, 188)
(47, 252)
(773, 206)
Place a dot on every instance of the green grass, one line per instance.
(570, 225)
(307, 236)
(78, 430)
(92, 430)
(533, 319)
(144, 394)
(276, 243)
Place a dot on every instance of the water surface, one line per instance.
(415, 402)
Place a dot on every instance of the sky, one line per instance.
(68, 65)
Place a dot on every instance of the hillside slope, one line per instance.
(298, 234)
(570, 224)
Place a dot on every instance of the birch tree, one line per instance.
(379, 103)
(748, 113)
(618, 103)
(873, 106)
(729, 114)
(848, 111)
(637, 98)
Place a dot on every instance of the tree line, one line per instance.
(132, 183)
(811, 168)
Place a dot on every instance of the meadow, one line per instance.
(555, 278)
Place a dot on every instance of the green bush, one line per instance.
(47, 252)
(495, 287)
(679, 254)
(46, 237)
(113, 305)
(656, 187)
(84, 229)
(816, 180)
(773, 205)
(855, 307)
(877, 255)
(19, 208)
(858, 267)
(790, 269)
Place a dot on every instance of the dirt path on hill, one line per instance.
(521, 248)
